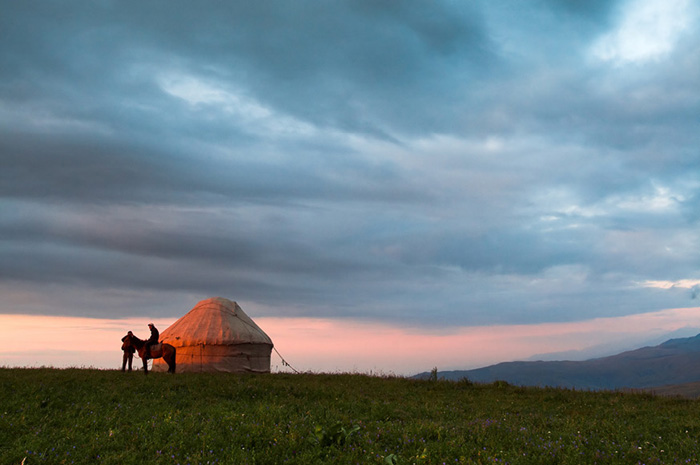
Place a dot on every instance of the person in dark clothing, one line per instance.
(128, 355)
(151, 340)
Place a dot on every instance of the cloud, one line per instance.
(354, 66)
(353, 345)
(692, 284)
(448, 164)
(647, 31)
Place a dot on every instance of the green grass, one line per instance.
(98, 416)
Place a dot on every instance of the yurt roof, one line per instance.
(215, 321)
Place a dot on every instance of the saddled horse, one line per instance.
(166, 351)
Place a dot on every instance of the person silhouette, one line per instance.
(151, 340)
(128, 356)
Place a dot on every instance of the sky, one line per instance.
(403, 169)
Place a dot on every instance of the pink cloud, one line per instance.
(338, 345)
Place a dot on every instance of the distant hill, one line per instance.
(674, 362)
(620, 344)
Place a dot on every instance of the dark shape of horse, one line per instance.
(166, 351)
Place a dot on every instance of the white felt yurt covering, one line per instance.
(217, 336)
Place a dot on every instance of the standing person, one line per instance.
(128, 355)
(151, 340)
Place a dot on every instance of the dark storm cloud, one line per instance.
(356, 65)
(474, 162)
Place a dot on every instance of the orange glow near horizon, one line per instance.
(339, 345)
(325, 345)
(58, 341)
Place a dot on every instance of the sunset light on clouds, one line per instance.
(326, 345)
(384, 186)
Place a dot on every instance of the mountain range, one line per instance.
(674, 362)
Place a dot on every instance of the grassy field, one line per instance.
(101, 416)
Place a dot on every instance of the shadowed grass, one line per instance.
(94, 416)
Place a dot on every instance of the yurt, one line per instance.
(217, 336)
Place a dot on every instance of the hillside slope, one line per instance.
(676, 361)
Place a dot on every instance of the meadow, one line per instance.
(85, 416)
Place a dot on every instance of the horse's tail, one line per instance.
(174, 358)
